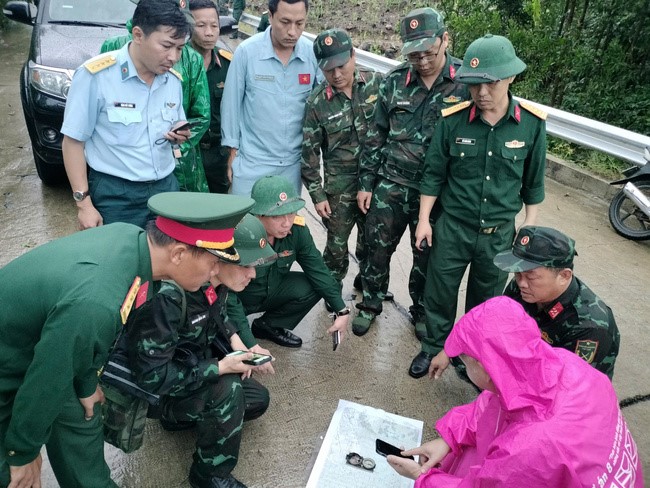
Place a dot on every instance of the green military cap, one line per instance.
(535, 247)
(420, 29)
(275, 195)
(332, 48)
(204, 220)
(251, 244)
(489, 58)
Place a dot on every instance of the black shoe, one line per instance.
(171, 426)
(197, 480)
(282, 337)
(420, 364)
(358, 284)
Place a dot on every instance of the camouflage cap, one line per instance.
(275, 195)
(420, 29)
(332, 48)
(251, 243)
(535, 247)
(205, 220)
(487, 59)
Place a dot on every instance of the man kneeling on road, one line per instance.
(285, 296)
(180, 350)
(567, 312)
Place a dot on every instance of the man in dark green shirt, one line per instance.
(63, 305)
(216, 62)
(486, 159)
(283, 295)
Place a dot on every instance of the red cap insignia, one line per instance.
(211, 294)
(414, 24)
(304, 78)
(327, 41)
(556, 310)
(283, 196)
(474, 62)
(524, 240)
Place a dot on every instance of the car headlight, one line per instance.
(53, 81)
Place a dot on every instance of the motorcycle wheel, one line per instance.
(626, 218)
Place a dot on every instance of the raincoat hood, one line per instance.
(507, 342)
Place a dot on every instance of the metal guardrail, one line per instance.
(606, 138)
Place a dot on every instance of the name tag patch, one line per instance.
(265, 77)
(335, 116)
(466, 141)
(124, 105)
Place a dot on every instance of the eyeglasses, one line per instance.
(416, 59)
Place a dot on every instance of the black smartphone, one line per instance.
(384, 449)
(336, 339)
(187, 125)
(424, 244)
(258, 359)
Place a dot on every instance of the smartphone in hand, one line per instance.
(336, 339)
(256, 360)
(383, 448)
(186, 126)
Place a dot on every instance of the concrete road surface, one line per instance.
(278, 449)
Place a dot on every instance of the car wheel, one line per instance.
(50, 174)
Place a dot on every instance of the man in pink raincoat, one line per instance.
(545, 418)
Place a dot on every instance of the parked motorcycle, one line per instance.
(629, 211)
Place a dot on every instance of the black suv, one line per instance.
(66, 33)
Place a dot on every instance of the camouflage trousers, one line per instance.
(455, 247)
(345, 215)
(219, 410)
(393, 208)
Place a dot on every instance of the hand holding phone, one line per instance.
(336, 339)
(383, 448)
(185, 126)
(257, 359)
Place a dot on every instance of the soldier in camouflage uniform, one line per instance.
(179, 350)
(408, 110)
(196, 103)
(567, 312)
(337, 115)
(216, 62)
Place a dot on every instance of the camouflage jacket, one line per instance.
(196, 103)
(171, 353)
(337, 126)
(578, 321)
(405, 118)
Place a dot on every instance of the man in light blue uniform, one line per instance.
(269, 80)
(119, 114)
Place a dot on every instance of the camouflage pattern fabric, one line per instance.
(124, 417)
(405, 118)
(336, 127)
(196, 103)
(179, 359)
(578, 321)
(393, 208)
(215, 157)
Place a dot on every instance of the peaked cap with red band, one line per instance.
(204, 220)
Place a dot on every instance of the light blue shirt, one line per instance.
(119, 117)
(263, 104)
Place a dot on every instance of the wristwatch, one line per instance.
(80, 195)
(341, 313)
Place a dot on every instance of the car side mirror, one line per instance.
(23, 12)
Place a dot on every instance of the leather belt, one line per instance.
(488, 230)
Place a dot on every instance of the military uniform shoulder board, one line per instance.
(537, 112)
(299, 220)
(225, 54)
(98, 63)
(176, 73)
(455, 108)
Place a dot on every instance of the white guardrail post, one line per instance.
(606, 138)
